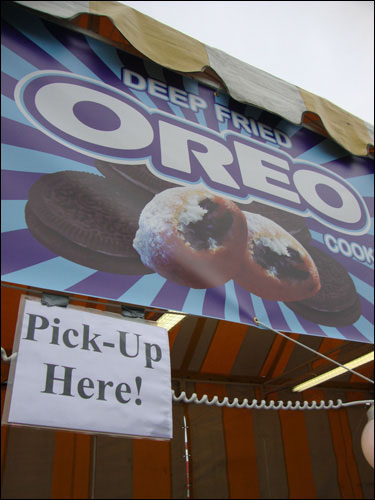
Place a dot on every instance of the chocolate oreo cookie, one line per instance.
(82, 218)
(292, 223)
(337, 302)
(134, 178)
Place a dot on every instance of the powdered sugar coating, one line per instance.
(156, 223)
(277, 239)
(191, 210)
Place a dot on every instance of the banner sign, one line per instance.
(82, 370)
(126, 181)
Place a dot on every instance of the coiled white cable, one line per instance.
(254, 405)
(265, 405)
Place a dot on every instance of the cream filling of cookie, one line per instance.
(279, 260)
(205, 225)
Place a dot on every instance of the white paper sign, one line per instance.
(82, 370)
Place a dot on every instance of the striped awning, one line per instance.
(174, 50)
(310, 454)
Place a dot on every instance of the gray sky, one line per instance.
(326, 48)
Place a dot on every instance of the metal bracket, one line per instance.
(133, 312)
(51, 299)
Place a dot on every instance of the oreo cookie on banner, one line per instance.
(337, 302)
(135, 180)
(83, 218)
(292, 223)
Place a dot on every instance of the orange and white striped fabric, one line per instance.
(233, 453)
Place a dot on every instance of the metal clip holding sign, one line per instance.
(51, 299)
(133, 312)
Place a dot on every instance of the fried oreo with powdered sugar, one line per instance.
(192, 237)
(276, 266)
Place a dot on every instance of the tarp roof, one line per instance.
(245, 83)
